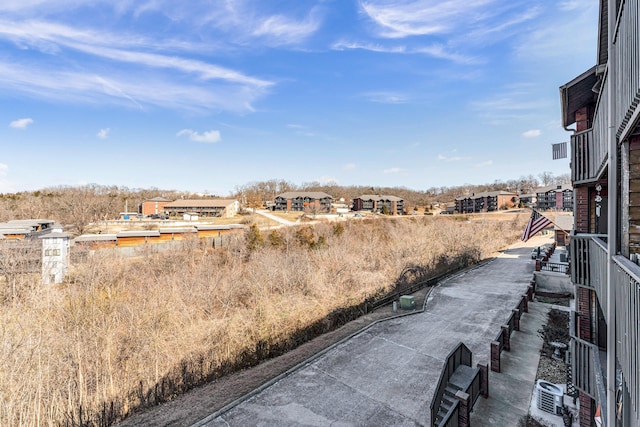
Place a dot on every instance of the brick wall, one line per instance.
(582, 209)
(586, 411)
(634, 195)
(583, 309)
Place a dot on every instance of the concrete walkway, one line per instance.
(510, 390)
(386, 374)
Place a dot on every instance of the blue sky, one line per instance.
(207, 95)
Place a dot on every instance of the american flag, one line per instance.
(536, 223)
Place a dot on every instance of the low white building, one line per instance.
(55, 257)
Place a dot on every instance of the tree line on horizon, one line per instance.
(79, 206)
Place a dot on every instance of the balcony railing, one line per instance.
(589, 156)
(626, 42)
(627, 318)
(583, 363)
(589, 265)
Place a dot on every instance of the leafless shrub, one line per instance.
(124, 333)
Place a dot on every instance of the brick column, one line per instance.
(586, 410)
(538, 265)
(584, 313)
(516, 319)
(530, 292)
(484, 379)
(464, 409)
(495, 356)
(525, 303)
(506, 333)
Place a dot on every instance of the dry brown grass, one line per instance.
(137, 331)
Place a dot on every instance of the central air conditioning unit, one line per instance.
(549, 397)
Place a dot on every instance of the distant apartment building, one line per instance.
(486, 202)
(225, 208)
(379, 203)
(154, 206)
(555, 197)
(317, 201)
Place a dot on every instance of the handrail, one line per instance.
(460, 355)
(451, 417)
(589, 264)
(626, 285)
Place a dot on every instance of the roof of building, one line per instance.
(158, 199)
(555, 187)
(486, 194)
(200, 203)
(378, 197)
(563, 222)
(303, 194)
(179, 230)
(31, 221)
(13, 230)
(208, 227)
(95, 238)
(54, 235)
(576, 94)
(142, 233)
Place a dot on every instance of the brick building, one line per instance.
(555, 197)
(316, 201)
(153, 206)
(486, 202)
(379, 203)
(602, 104)
(225, 208)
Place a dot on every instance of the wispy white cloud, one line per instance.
(21, 123)
(207, 137)
(124, 88)
(570, 5)
(562, 35)
(404, 18)
(518, 102)
(349, 166)
(436, 50)
(485, 164)
(3, 169)
(393, 170)
(327, 180)
(52, 37)
(387, 97)
(103, 133)
(444, 158)
(280, 30)
(532, 133)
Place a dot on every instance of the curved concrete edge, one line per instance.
(203, 422)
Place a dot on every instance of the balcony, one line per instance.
(627, 39)
(589, 269)
(588, 365)
(626, 282)
(589, 265)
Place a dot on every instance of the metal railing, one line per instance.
(588, 155)
(627, 47)
(589, 264)
(554, 267)
(460, 355)
(583, 359)
(627, 319)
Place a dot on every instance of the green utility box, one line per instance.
(407, 302)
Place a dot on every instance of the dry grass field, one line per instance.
(123, 333)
